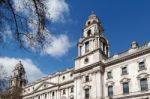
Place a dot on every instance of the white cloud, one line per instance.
(58, 46)
(58, 10)
(32, 71)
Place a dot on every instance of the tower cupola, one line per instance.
(92, 26)
(18, 76)
(92, 46)
(92, 37)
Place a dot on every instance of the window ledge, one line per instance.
(144, 90)
(142, 69)
(124, 74)
(110, 78)
(125, 93)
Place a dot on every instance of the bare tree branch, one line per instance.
(33, 27)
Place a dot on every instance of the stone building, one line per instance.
(96, 75)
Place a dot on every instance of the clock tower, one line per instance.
(92, 46)
(18, 77)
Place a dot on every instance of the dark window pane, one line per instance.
(87, 94)
(53, 93)
(109, 74)
(124, 70)
(86, 78)
(72, 89)
(125, 88)
(45, 95)
(144, 85)
(141, 65)
(89, 33)
(64, 91)
(86, 46)
(110, 90)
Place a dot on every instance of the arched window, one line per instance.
(89, 23)
(89, 33)
(87, 47)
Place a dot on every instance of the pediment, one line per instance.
(86, 87)
(143, 75)
(123, 80)
(71, 96)
(110, 83)
(44, 85)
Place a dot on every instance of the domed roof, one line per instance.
(93, 15)
(92, 19)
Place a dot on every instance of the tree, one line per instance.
(7, 92)
(25, 20)
(3, 79)
(3, 82)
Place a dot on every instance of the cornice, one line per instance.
(91, 52)
(57, 86)
(88, 67)
(97, 23)
(49, 77)
(84, 39)
(127, 57)
(132, 96)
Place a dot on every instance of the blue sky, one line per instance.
(123, 20)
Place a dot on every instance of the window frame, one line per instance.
(87, 78)
(109, 75)
(89, 33)
(124, 70)
(124, 90)
(142, 87)
(53, 94)
(110, 92)
(87, 93)
(72, 89)
(87, 44)
(142, 65)
(64, 91)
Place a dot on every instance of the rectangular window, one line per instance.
(125, 88)
(45, 95)
(71, 89)
(87, 94)
(110, 91)
(141, 65)
(109, 74)
(86, 47)
(64, 92)
(124, 71)
(53, 93)
(144, 85)
(87, 78)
